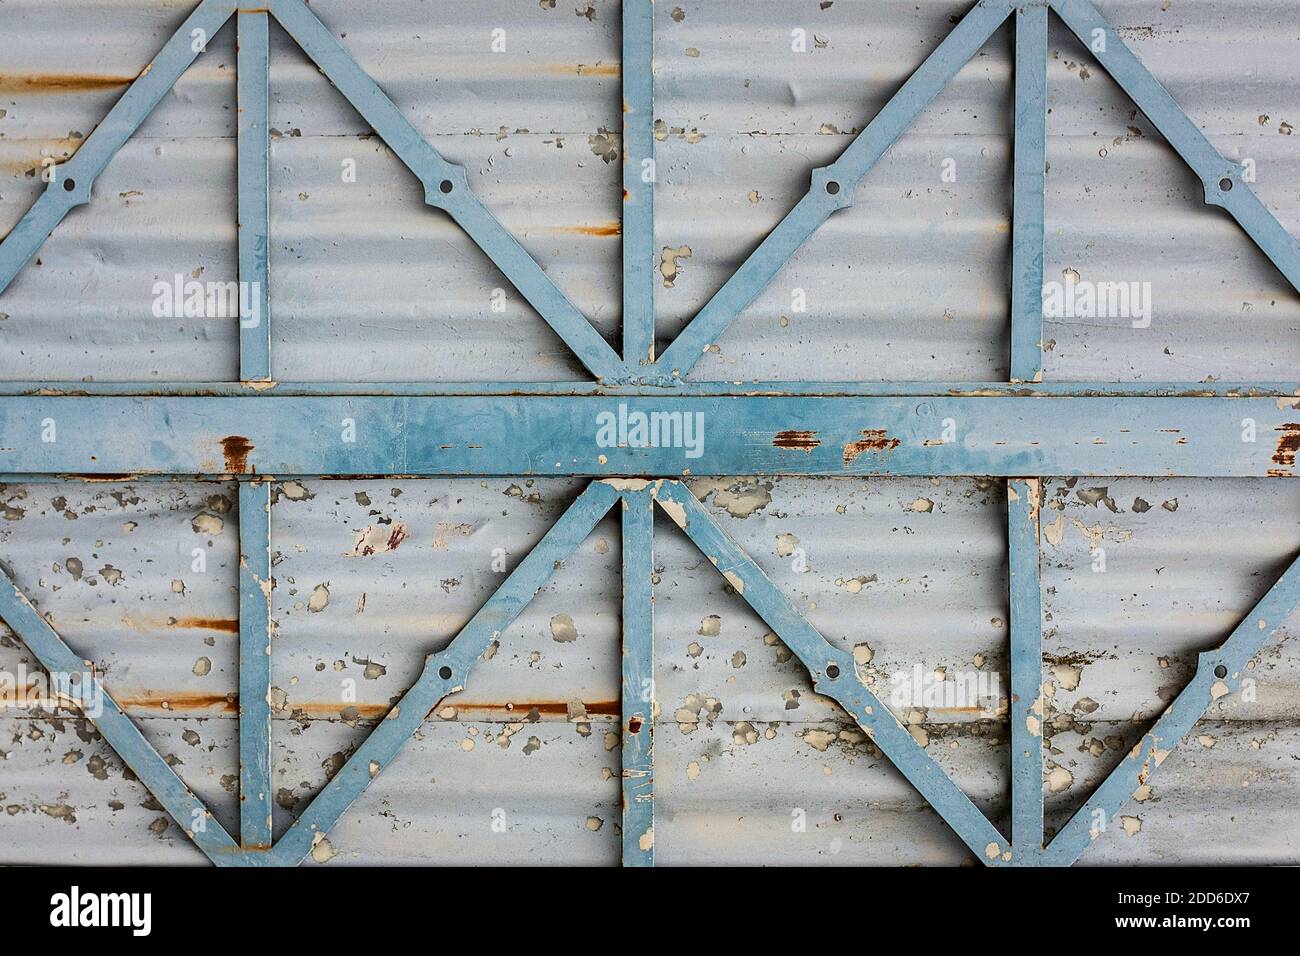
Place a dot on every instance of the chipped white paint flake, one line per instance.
(322, 851)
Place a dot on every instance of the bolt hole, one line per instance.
(832, 671)
(69, 184)
(833, 187)
(634, 725)
(1225, 184)
(1220, 672)
(444, 672)
(445, 186)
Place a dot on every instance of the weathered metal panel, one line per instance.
(750, 764)
(909, 571)
(359, 266)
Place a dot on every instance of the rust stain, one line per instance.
(600, 68)
(544, 708)
(1288, 443)
(795, 440)
(873, 439)
(60, 82)
(227, 625)
(222, 703)
(229, 704)
(236, 449)
(376, 538)
(604, 229)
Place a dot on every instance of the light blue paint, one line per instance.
(638, 183)
(1030, 184)
(638, 704)
(254, 149)
(548, 428)
(255, 664)
(502, 435)
(1024, 497)
(446, 187)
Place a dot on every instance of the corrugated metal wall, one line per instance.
(369, 285)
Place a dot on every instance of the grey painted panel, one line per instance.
(914, 569)
(910, 283)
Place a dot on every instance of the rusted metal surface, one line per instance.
(911, 571)
(730, 775)
(351, 306)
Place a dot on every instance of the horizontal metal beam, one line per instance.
(750, 389)
(662, 436)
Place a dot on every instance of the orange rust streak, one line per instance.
(183, 702)
(207, 624)
(604, 229)
(873, 439)
(1288, 443)
(236, 449)
(229, 704)
(60, 82)
(796, 440)
(577, 69)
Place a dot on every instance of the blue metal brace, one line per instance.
(1027, 195)
(638, 183)
(445, 672)
(831, 669)
(1024, 499)
(1221, 178)
(79, 682)
(833, 673)
(1219, 672)
(446, 185)
(638, 674)
(255, 665)
(253, 66)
